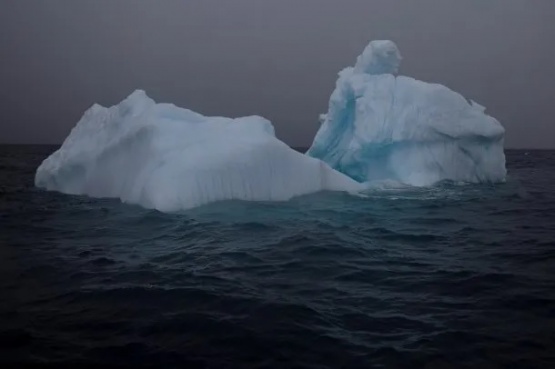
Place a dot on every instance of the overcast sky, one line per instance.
(275, 58)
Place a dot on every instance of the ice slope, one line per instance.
(167, 158)
(383, 127)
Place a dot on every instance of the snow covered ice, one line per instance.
(168, 158)
(382, 127)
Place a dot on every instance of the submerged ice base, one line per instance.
(382, 127)
(168, 158)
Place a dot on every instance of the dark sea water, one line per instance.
(444, 277)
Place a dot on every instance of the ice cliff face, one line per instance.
(167, 158)
(383, 127)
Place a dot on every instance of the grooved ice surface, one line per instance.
(379, 128)
(383, 127)
(168, 158)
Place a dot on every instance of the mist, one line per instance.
(275, 58)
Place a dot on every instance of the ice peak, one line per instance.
(379, 57)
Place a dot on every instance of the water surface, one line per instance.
(444, 277)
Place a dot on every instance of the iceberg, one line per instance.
(379, 127)
(383, 127)
(167, 158)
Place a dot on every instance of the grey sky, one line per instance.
(275, 58)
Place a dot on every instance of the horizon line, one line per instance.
(292, 146)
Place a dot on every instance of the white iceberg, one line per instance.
(167, 158)
(383, 127)
(379, 127)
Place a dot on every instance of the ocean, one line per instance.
(445, 277)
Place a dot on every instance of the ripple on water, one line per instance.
(450, 276)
